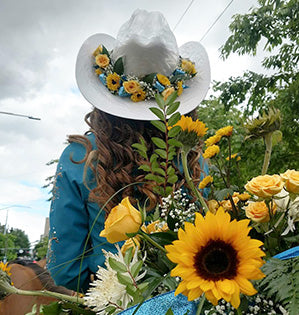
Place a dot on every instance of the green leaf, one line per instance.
(159, 142)
(139, 147)
(117, 265)
(169, 312)
(153, 158)
(149, 78)
(174, 131)
(178, 77)
(159, 125)
(142, 286)
(119, 66)
(171, 98)
(136, 268)
(175, 142)
(158, 190)
(162, 153)
(159, 171)
(223, 193)
(160, 101)
(145, 167)
(105, 51)
(131, 289)
(128, 256)
(157, 112)
(276, 137)
(172, 108)
(52, 309)
(174, 119)
(172, 179)
(170, 171)
(168, 191)
(125, 280)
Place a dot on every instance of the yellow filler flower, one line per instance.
(216, 256)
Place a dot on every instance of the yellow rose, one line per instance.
(131, 242)
(163, 79)
(213, 205)
(131, 86)
(180, 88)
(167, 92)
(265, 186)
(102, 60)
(98, 50)
(291, 181)
(226, 204)
(122, 219)
(259, 212)
(188, 66)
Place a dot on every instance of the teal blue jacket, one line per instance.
(72, 217)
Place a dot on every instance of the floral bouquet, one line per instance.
(209, 246)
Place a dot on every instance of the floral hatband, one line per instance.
(111, 75)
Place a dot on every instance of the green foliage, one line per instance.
(281, 283)
(159, 164)
(40, 249)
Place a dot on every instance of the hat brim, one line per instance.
(100, 97)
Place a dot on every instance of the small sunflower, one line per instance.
(225, 131)
(212, 140)
(163, 79)
(139, 96)
(189, 125)
(5, 268)
(205, 182)
(180, 87)
(113, 81)
(211, 151)
(216, 256)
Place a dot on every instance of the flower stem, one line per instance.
(268, 143)
(191, 184)
(13, 290)
(239, 311)
(200, 305)
(150, 240)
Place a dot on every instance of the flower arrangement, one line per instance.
(111, 75)
(233, 252)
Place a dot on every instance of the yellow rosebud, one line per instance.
(291, 181)
(225, 131)
(243, 197)
(227, 205)
(131, 242)
(163, 79)
(211, 151)
(188, 66)
(155, 227)
(167, 92)
(98, 71)
(131, 86)
(98, 50)
(265, 186)
(258, 211)
(213, 206)
(122, 219)
(102, 60)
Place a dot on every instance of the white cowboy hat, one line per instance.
(147, 45)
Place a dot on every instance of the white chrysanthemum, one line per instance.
(106, 290)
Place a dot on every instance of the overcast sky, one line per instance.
(39, 41)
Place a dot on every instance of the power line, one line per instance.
(219, 16)
(180, 19)
(20, 115)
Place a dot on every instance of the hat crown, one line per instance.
(146, 44)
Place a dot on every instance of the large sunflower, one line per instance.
(216, 257)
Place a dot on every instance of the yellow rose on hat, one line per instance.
(265, 186)
(122, 219)
(259, 212)
(291, 181)
(131, 86)
(188, 66)
(102, 60)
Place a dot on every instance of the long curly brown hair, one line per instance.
(115, 163)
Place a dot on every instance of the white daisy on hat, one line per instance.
(121, 76)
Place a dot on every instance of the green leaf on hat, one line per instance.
(119, 66)
(149, 78)
(105, 51)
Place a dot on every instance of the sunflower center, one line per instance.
(114, 82)
(216, 260)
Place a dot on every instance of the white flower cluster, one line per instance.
(179, 208)
(258, 305)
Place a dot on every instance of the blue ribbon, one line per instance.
(122, 92)
(159, 86)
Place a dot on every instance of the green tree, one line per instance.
(7, 247)
(40, 249)
(276, 24)
(21, 239)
